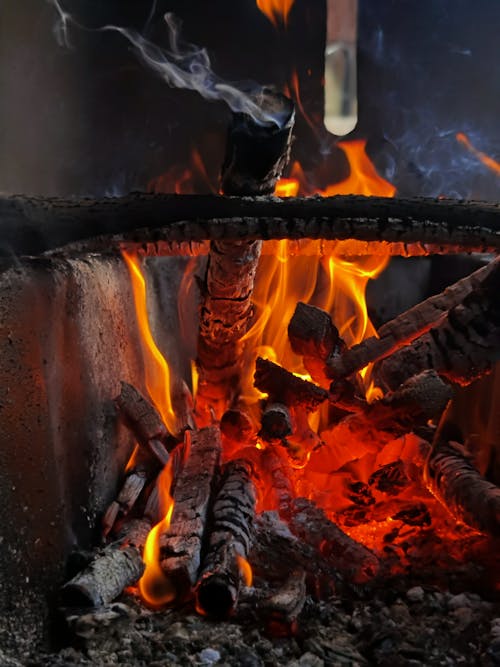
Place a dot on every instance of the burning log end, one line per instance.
(312, 333)
(284, 387)
(422, 397)
(236, 426)
(276, 422)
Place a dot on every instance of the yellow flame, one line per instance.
(276, 10)
(158, 380)
(245, 570)
(482, 157)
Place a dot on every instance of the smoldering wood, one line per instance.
(180, 547)
(34, 225)
(285, 387)
(112, 569)
(144, 420)
(282, 608)
(237, 427)
(353, 560)
(303, 440)
(276, 422)
(255, 157)
(408, 326)
(280, 473)
(230, 539)
(462, 347)
(311, 332)
(470, 498)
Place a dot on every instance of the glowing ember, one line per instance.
(276, 10)
(245, 570)
(482, 157)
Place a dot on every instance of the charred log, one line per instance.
(31, 226)
(462, 348)
(408, 326)
(230, 539)
(143, 420)
(466, 494)
(285, 387)
(180, 547)
(255, 157)
(276, 422)
(237, 427)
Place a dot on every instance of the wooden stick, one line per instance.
(31, 226)
(180, 547)
(255, 158)
(230, 540)
(462, 347)
(405, 328)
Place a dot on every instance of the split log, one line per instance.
(230, 539)
(353, 560)
(451, 477)
(285, 387)
(405, 328)
(144, 421)
(180, 547)
(112, 569)
(31, 225)
(255, 157)
(462, 347)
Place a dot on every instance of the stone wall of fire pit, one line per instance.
(67, 337)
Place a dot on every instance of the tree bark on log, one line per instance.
(405, 328)
(230, 540)
(180, 547)
(462, 347)
(255, 157)
(31, 226)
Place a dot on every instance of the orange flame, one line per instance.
(482, 157)
(155, 588)
(245, 570)
(276, 10)
(157, 371)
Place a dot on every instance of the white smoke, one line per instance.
(183, 65)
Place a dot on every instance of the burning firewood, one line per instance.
(180, 547)
(405, 328)
(237, 428)
(143, 420)
(308, 522)
(462, 347)
(276, 422)
(451, 477)
(229, 543)
(255, 158)
(285, 387)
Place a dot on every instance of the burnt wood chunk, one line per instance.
(285, 387)
(353, 560)
(180, 547)
(461, 489)
(237, 427)
(276, 422)
(408, 326)
(312, 333)
(143, 419)
(462, 347)
(34, 225)
(255, 157)
(230, 540)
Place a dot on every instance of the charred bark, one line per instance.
(255, 157)
(31, 226)
(230, 540)
(405, 328)
(463, 347)
(180, 547)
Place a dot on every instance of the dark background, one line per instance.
(93, 120)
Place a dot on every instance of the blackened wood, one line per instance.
(182, 406)
(311, 332)
(276, 422)
(230, 540)
(237, 427)
(459, 486)
(143, 419)
(308, 522)
(462, 347)
(282, 608)
(279, 487)
(285, 387)
(408, 326)
(31, 225)
(126, 499)
(180, 547)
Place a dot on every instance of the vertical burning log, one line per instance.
(230, 540)
(180, 547)
(255, 158)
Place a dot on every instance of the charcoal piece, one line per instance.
(284, 387)
(276, 422)
(312, 333)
